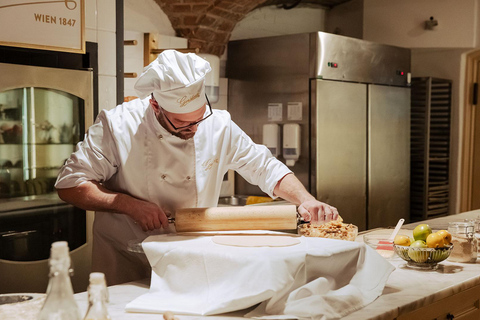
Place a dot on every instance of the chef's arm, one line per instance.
(91, 195)
(292, 190)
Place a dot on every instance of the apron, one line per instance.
(130, 152)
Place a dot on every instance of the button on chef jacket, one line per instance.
(130, 152)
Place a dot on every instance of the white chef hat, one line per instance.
(177, 81)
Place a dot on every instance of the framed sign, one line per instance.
(41, 24)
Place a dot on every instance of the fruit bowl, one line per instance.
(422, 258)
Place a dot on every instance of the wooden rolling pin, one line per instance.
(278, 217)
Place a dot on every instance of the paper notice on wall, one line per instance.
(275, 111)
(294, 111)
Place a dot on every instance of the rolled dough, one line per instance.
(256, 241)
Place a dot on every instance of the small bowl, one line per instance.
(330, 230)
(381, 244)
(422, 258)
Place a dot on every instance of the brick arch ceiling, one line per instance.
(207, 24)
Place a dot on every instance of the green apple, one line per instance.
(418, 255)
(421, 232)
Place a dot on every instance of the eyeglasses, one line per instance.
(193, 123)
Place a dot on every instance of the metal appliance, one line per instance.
(43, 114)
(351, 99)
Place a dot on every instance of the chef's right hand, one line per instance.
(148, 216)
(317, 212)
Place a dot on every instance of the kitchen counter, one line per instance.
(407, 291)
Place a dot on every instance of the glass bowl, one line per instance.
(330, 230)
(380, 243)
(422, 258)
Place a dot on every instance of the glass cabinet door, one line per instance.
(39, 129)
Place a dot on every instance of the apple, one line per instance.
(418, 255)
(421, 232)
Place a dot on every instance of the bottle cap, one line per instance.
(59, 250)
(97, 278)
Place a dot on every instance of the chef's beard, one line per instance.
(182, 134)
(185, 135)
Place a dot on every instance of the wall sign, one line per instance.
(41, 24)
(275, 111)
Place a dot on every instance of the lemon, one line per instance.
(435, 240)
(401, 240)
(447, 237)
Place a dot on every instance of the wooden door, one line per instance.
(470, 162)
(475, 194)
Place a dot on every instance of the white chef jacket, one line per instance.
(130, 152)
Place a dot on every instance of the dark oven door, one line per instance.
(27, 234)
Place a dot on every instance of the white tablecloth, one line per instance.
(316, 279)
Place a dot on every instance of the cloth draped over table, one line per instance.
(315, 279)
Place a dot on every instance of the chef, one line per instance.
(168, 149)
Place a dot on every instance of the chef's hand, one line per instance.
(149, 216)
(317, 212)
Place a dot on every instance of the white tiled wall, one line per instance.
(106, 15)
(223, 95)
(100, 25)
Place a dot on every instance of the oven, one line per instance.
(43, 115)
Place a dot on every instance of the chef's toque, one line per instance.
(177, 81)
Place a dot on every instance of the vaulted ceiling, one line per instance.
(207, 24)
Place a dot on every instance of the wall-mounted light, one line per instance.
(431, 23)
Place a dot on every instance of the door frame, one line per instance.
(466, 171)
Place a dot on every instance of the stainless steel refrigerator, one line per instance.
(351, 99)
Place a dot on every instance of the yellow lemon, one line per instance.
(435, 240)
(447, 237)
(401, 240)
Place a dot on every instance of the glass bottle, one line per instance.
(59, 303)
(97, 298)
(464, 241)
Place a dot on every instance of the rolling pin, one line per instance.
(278, 217)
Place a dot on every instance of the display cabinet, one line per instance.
(39, 128)
(43, 115)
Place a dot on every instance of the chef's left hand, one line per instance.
(317, 212)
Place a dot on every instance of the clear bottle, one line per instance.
(59, 303)
(97, 298)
